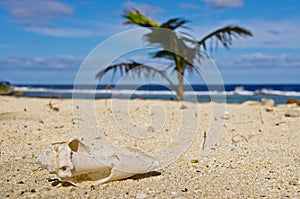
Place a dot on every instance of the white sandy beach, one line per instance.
(257, 155)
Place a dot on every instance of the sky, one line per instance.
(45, 41)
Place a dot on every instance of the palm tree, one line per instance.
(180, 44)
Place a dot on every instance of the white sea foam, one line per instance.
(277, 92)
(236, 91)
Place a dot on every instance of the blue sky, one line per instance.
(45, 41)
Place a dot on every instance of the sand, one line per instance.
(257, 155)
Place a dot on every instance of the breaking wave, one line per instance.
(238, 90)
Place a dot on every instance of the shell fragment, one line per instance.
(73, 162)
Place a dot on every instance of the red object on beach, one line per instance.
(108, 86)
(293, 101)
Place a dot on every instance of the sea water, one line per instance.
(234, 93)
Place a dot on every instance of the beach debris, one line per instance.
(52, 107)
(225, 115)
(293, 101)
(260, 115)
(73, 162)
(76, 120)
(292, 113)
(184, 190)
(150, 129)
(267, 102)
(293, 182)
(141, 196)
(183, 106)
(269, 109)
(238, 138)
(204, 139)
(174, 194)
(194, 161)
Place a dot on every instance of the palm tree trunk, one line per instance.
(179, 93)
(177, 59)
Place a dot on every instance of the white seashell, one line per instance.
(225, 115)
(73, 162)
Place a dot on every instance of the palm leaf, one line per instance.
(136, 69)
(135, 17)
(172, 24)
(225, 35)
(185, 61)
(163, 54)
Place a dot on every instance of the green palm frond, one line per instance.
(185, 61)
(172, 24)
(135, 17)
(225, 35)
(135, 69)
(163, 54)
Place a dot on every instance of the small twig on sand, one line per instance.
(260, 115)
(204, 141)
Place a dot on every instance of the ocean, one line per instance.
(235, 93)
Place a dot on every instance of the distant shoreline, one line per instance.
(235, 93)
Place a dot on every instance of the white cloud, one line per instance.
(36, 16)
(61, 62)
(266, 34)
(33, 9)
(272, 34)
(93, 29)
(37, 24)
(63, 32)
(260, 60)
(144, 8)
(220, 4)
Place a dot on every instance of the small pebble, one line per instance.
(269, 109)
(293, 182)
(141, 196)
(184, 190)
(267, 102)
(194, 161)
(174, 194)
(150, 129)
(292, 113)
(225, 115)
(55, 109)
(183, 107)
